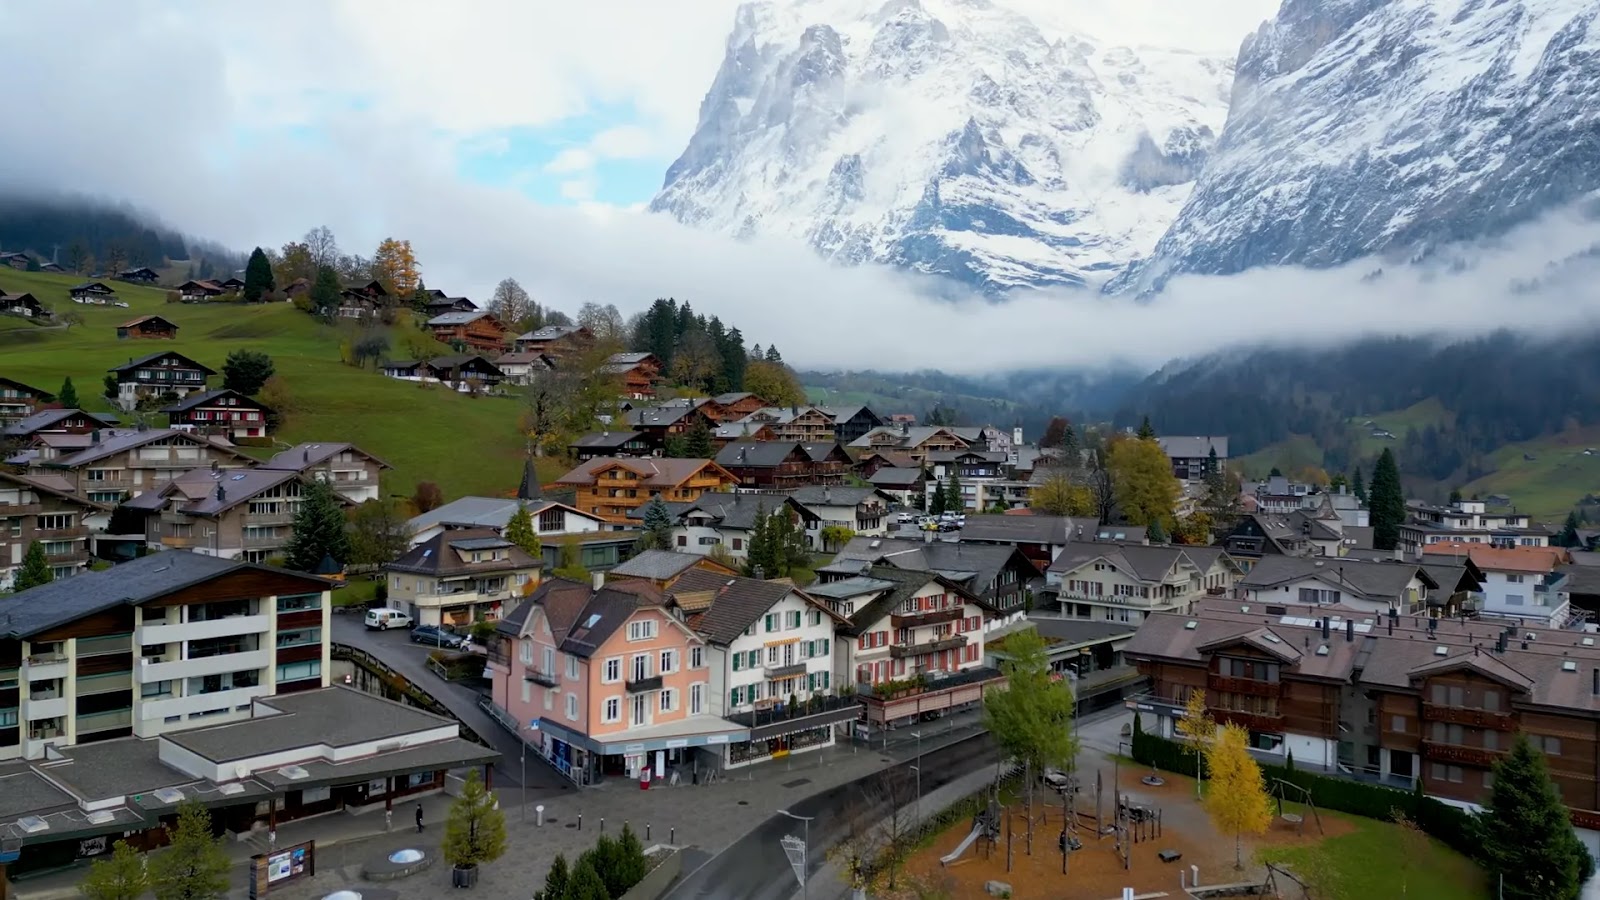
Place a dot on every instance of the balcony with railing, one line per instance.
(644, 685)
(1459, 755)
(785, 671)
(70, 533)
(903, 651)
(1250, 721)
(105, 721)
(285, 517)
(922, 619)
(548, 679)
(1478, 718)
(1247, 686)
(8, 510)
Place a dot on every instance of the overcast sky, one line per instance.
(509, 137)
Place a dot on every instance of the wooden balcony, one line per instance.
(902, 651)
(934, 617)
(1459, 755)
(8, 510)
(59, 534)
(1477, 718)
(1250, 721)
(1246, 686)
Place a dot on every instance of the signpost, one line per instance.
(269, 871)
(796, 849)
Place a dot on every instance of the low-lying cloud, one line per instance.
(144, 116)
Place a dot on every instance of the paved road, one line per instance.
(755, 868)
(396, 650)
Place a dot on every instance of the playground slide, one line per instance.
(961, 848)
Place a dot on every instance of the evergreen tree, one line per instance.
(936, 504)
(35, 569)
(1568, 535)
(657, 531)
(1275, 473)
(1358, 487)
(629, 865)
(1157, 532)
(475, 830)
(697, 441)
(953, 500)
(1455, 496)
(1388, 502)
(1551, 864)
(1146, 433)
(520, 531)
(787, 543)
(759, 556)
(1071, 449)
(557, 881)
(570, 564)
(773, 356)
(1054, 433)
(194, 867)
(324, 295)
(319, 529)
(246, 371)
(258, 280)
(68, 395)
(586, 883)
(122, 876)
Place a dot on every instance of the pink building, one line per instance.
(606, 680)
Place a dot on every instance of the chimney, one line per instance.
(1325, 628)
(94, 436)
(598, 580)
(758, 574)
(222, 494)
(1350, 631)
(1595, 688)
(305, 455)
(1500, 645)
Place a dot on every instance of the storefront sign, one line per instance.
(274, 870)
(717, 739)
(92, 846)
(677, 743)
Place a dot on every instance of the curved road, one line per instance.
(755, 867)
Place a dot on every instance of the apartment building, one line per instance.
(109, 466)
(232, 513)
(1522, 582)
(153, 645)
(1129, 582)
(221, 413)
(610, 487)
(862, 510)
(354, 473)
(769, 653)
(460, 576)
(915, 442)
(1370, 586)
(31, 510)
(807, 424)
(1468, 522)
(1392, 698)
(1195, 458)
(999, 576)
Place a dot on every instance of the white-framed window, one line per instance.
(613, 670)
(641, 666)
(770, 622)
(697, 657)
(525, 653)
(794, 617)
(611, 711)
(526, 691)
(572, 707)
(549, 661)
(816, 617)
(772, 656)
(572, 668)
(697, 698)
(549, 700)
(669, 699)
(642, 630)
(669, 662)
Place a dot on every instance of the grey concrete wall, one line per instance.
(655, 884)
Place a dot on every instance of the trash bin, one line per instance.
(644, 779)
(464, 876)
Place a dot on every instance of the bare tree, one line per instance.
(604, 322)
(880, 823)
(512, 305)
(116, 258)
(78, 258)
(1101, 486)
(324, 250)
(70, 318)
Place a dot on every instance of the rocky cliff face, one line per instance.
(949, 137)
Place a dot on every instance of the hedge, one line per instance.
(1450, 825)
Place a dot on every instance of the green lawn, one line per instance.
(1374, 860)
(1551, 483)
(1286, 456)
(468, 446)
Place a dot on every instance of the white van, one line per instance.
(385, 619)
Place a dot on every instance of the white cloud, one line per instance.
(570, 160)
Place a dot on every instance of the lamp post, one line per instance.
(918, 769)
(805, 853)
(532, 726)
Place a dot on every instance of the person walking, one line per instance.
(419, 818)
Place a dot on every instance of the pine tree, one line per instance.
(35, 569)
(319, 529)
(759, 556)
(557, 881)
(697, 442)
(1553, 863)
(630, 864)
(953, 500)
(324, 294)
(122, 876)
(1388, 503)
(1358, 487)
(936, 503)
(1568, 535)
(657, 530)
(1156, 532)
(1146, 433)
(258, 280)
(194, 867)
(520, 531)
(586, 883)
(68, 395)
(1071, 449)
(475, 831)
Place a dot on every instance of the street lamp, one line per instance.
(532, 726)
(805, 852)
(918, 769)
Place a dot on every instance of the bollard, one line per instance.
(602, 824)
(672, 836)
(580, 821)
(539, 813)
(647, 831)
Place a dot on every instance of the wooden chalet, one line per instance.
(221, 413)
(795, 423)
(609, 487)
(523, 368)
(479, 330)
(151, 327)
(15, 260)
(729, 432)
(661, 422)
(734, 406)
(462, 372)
(299, 287)
(96, 293)
(23, 304)
(438, 304)
(57, 421)
(611, 443)
(19, 401)
(359, 301)
(783, 465)
(639, 373)
(141, 275)
(232, 285)
(556, 341)
(161, 373)
(194, 291)
(54, 268)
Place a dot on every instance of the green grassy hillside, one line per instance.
(466, 445)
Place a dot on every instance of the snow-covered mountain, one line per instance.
(1392, 126)
(951, 137)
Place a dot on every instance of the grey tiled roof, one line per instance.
(47, 417)
(1190, 447)
(655, 565)
(458, 317)
(238, 485)
(336, 716)
(1376, 580)
(302, 456)
(437, 556)
(734, 510)
(606, 440)
(838, 495)
(892, 477)
(136, 363)
(756, 454)
(736, 602)
(490, 512)
(1035, 529)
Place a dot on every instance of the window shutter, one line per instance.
(737, 657)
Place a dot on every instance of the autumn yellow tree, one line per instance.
(1197, 728)
(395, 266)
(1194, 528)
(1059, 495)
(1238, 801)
(773, 382)
(1142, 482)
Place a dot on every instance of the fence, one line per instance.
(402, 685)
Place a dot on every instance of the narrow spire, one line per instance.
(529, 489)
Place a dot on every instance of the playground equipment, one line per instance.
(985, 827)
(1280, 788)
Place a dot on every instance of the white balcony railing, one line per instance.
(212, 628)
(209, 665)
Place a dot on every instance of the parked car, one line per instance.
(437, 636)
(384, 618)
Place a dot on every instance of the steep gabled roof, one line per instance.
(136, 363)
(903, 585)
(208, 398)
(442, 555)
(656, 565)
(118, 440)
(758, 454)
(45, 418)
(736, 603)
(303, 456)
(653, 472)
